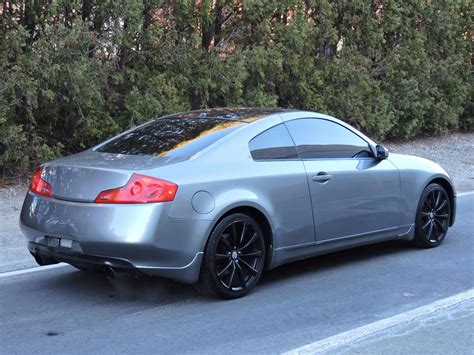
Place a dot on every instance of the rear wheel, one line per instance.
(432, 219)
(234, 258)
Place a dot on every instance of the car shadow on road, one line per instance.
(334, 260)
(94, 285)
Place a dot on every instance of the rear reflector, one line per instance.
(39, 186)
(140, 189)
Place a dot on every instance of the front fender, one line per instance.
(415, 174)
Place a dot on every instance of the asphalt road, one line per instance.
(64, 310)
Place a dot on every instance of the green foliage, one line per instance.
(76, 72)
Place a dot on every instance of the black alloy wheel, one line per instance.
(432, 217)
(234, 258)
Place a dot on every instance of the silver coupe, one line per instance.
(214, 197)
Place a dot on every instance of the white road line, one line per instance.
(467, 193)
(350, 336)
(30, 270)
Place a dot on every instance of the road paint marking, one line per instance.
(350, 336)
(30, 270)
(467, 193)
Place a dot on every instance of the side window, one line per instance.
(274, 143)
(318, 138)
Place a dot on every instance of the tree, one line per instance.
(75, 72)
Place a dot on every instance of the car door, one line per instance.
(281, 179)
(352, 193)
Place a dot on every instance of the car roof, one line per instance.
(244, 114)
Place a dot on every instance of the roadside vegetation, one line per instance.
(76, 72)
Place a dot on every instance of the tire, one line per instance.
(234, 258)
(432, 217)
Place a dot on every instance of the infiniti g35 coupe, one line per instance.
(214, 197)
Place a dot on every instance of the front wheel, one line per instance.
(234, 258)
(432, 219)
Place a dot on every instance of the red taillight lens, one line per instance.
(39, 186)
(140, 189)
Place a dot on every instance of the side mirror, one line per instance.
(382, 152)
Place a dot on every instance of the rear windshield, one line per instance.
(171, 137)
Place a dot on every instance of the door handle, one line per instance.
(322, 177)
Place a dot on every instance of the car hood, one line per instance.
(413, 162)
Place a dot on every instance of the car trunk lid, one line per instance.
(83, 176)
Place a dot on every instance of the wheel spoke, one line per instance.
(231, 280)
(437, 200)
(248, 267)
(425, 214)
(441, 206)
(240, 273)
(426, 224)
(429, 201)
(220, 273)
(242, 235)
(433, 199)
(427, 205)
(435, 231)
(442, 216)
(438, 223)
(221, 256)
(253, 254)
(250, 242)
(226, 242)
(234, 233)
(430, 230)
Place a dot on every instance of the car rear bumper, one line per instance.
(126, 237)
(188, 273)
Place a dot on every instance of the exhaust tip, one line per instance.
(109, 272)
(43, 260)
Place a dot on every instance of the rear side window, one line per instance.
(319, 138)
(274, 143)
(171, 137)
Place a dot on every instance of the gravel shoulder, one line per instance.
(455, 152)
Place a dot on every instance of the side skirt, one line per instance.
(303, 251)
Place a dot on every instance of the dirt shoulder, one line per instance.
(455, 152)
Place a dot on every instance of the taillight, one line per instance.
(140, 189)
(39, 186)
